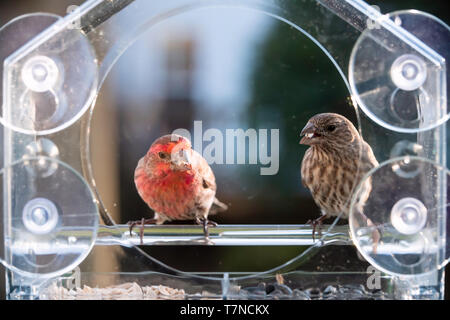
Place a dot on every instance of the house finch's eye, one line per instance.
(331, 128)
(163, 155)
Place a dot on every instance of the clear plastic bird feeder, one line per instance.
(84, 96)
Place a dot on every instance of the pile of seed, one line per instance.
(125, 291)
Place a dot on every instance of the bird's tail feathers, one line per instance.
(217, 207)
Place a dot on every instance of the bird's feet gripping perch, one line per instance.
(141, 223)
(200, 220)
(317, 224)
(206, 224)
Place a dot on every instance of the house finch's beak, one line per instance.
(309, 132)
(180, 160)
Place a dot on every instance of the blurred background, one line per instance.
(229, 69)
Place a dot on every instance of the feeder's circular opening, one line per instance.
(147, 109)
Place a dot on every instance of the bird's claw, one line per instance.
(206, 223)
(140, 223)
(211, 223)
(316, 224)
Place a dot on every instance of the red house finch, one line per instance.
(335, 164)
(177, 183)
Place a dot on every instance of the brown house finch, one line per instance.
(177, 183)
(335, 164)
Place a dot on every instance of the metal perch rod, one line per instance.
(222, 235)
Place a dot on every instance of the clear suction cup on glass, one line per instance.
(393, 83)
(52, 219)
(51, 85)
(398, 231)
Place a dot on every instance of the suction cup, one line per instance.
(52, 218)
(398, 230)
(393, 84)
(49, 85)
